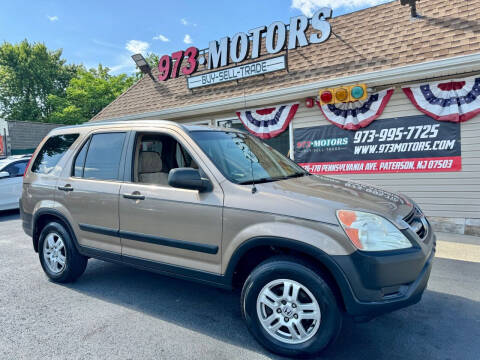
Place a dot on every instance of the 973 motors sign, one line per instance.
(245, 46)
(411, 144)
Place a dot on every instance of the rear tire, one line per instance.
(300, 321)
(58, 255)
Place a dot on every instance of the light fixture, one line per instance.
(358, 92)
(413, 7)
(326, 97)
(310, 102)
(342, 95)
(142, 64)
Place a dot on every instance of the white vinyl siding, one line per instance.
(444, 194)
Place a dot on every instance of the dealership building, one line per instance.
(387, 96)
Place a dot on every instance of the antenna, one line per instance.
(413, 7)
(254, 188)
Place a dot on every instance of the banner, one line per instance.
(454, 100)
(409, 144)
(270, 122)
(358, 114)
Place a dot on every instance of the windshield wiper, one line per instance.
(296, 175)
(258, 181)
(265, 180)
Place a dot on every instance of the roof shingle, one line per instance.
(376, 38)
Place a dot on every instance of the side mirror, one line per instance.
(188, 178)
(4, 174)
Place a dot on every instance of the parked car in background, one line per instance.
(221, 207)
(11, 177)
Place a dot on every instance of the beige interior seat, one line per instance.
(150, 168)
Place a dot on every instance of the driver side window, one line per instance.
(155, 155)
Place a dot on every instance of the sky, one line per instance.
(109, 32)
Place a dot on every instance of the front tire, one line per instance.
(58, 255)
(289, 308)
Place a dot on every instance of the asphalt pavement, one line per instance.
(118, 312)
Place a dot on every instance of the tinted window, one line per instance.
(244, 159)
(103, 156)
(52, 151)
(80, 160)
(183, 158)
(17, 169)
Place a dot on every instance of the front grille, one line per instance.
(417, 223)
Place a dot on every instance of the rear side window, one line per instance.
(100, 157)
(16, 169)
(51, 152)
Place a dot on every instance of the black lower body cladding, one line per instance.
(386, 281)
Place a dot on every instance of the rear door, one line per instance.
(160, 224)
(89, 188)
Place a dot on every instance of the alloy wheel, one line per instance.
(288, 311)
(54, 253)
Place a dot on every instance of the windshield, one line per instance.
(239, 156)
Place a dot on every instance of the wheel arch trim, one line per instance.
(54, 213)
(323, 258)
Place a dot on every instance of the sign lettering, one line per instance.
(237, 72)
(411, 144)
(236, 50)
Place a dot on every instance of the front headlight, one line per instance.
(369, 232)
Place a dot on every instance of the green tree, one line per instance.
(29, 73)
(87, 94)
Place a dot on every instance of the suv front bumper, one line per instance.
(379, 283)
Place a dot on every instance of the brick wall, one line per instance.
(25, 135)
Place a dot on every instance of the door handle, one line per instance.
(134, 196)
(67, 187)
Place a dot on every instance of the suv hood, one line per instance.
(318, 197)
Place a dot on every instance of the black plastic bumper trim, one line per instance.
(411, 296)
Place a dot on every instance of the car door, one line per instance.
(11, 187)
(162, 225)
(89, 188)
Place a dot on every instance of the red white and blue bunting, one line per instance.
(358, 114)
(455, 100)
(270, 122)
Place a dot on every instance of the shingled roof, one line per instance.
(377, 38)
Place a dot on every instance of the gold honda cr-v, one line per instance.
(219, 206)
